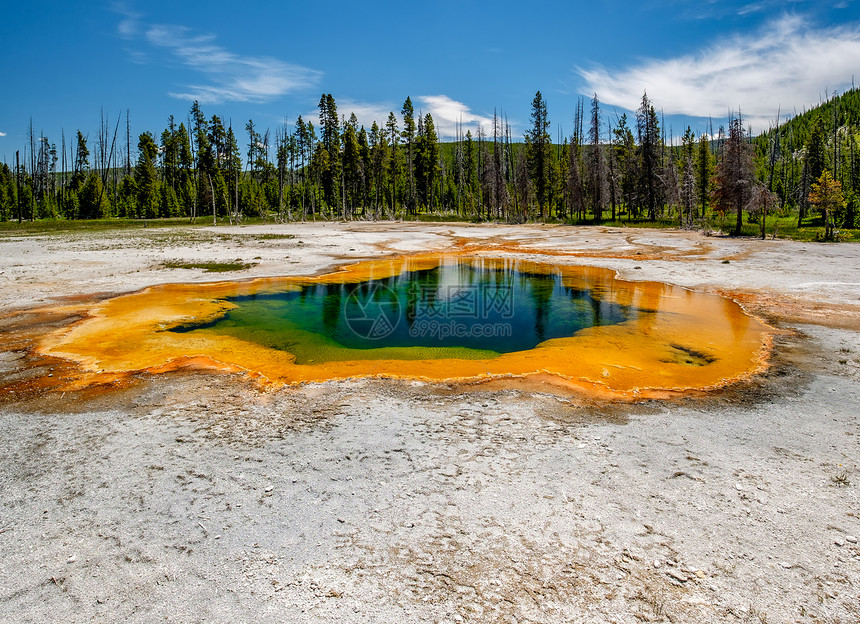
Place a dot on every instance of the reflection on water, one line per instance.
(491, 308)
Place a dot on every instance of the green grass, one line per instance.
(209, 267)
(60, 226)
(441, 218)
(56, 226)
(623, 222)
(784, 226)
(273, 236)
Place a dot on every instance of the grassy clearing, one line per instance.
(64, 226)
(273, 236)
(784, 227)
(61, 226)
(208, 267)
(659, 224)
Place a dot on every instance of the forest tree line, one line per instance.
(609, 168)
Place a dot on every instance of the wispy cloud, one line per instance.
(785, 64)
(129, 25)
(367, 112)
(448, 114)
(684, 10)
(224, 75)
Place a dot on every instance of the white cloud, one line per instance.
(231, 77)
(784, 65)
(225, 75)
(2, 134)
(367, 112)
(128, 26)
(448, 114)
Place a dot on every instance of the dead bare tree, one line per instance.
(596, 167)
(733, 182)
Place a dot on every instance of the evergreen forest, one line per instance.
(612, 169)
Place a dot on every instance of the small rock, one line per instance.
(851, 538)
(269, 489)
(839, 542)
(71, 559)
(449, 470)
(677, 575)
(786, 565)
(657, 563)
(701, 573)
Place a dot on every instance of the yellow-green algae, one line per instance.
(685, 340)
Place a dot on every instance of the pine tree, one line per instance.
(380, 157)
(232, 164)
(704, 170)
(625, 154)
(329, 161)
(351, 169)
(408, 134)
(170, 154)
(648, 130)
(146, 177)
(393, 160)
(8, 195)
(814, 162)
(201, 151)
(426, 161)
(366, 170)
(538, 150)
(185, 190)
(305, 151)
(596, 168)
(93, 203)
(219, 169)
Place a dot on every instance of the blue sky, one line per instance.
(64, 62)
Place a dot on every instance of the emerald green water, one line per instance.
(458, 309)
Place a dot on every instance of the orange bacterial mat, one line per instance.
(638, 339)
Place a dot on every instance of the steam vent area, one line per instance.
(427, 423)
